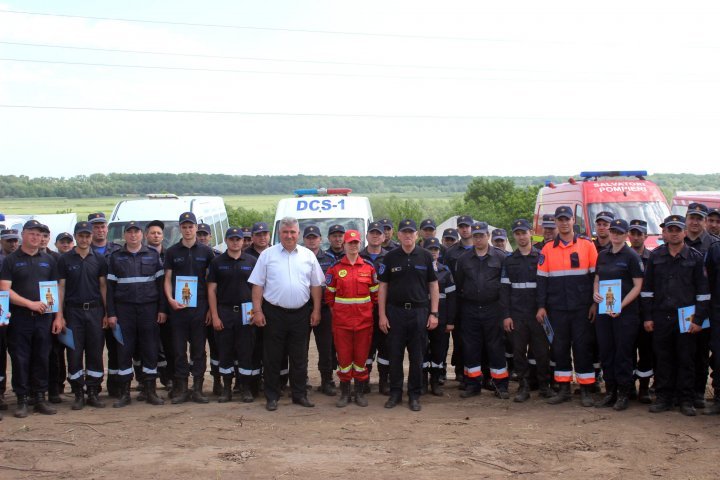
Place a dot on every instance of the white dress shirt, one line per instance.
(286, 277)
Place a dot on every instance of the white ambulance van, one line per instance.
(324, 207)
(167, 208)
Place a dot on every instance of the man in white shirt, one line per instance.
(287, 291)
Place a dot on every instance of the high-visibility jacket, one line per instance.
(565, 274)
(351, 293)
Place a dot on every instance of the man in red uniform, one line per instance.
(351, 292)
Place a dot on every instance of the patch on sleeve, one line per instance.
(642, 266)
(381, 269)
(541, 259)
(328, 278)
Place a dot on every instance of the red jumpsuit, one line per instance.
(351, 293)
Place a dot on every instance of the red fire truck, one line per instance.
(625, 193)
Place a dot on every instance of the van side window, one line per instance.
(579, 219)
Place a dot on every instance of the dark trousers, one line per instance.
(138, 324)
(378, 346)
(573, 332)
(324, 343)
(645, 357)
(166, 355)
(29, 342)
(674, 359)
(408, 329)
(86, 326)
(213, 349)
(702, 361)
(616, 338)
(715, 347)
(529, 336)
(235, 342)
(188, 326)
(57, 367)
(436, 351)
(3, 360)
(285, 334)
(456, 359)
(112, 352)
(483, 336)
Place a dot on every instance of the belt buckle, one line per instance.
(407, 306)
(236, 308)
(86, 306)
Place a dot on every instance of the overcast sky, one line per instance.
(358, 88)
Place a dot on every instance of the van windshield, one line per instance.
(171, 233)
(324, 225)
(652, 212)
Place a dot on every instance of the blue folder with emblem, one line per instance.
(117, 333)
(49, 295)
(685, 317)
(66, 338)
(247, 313)
(186, 290)
(611, 291)
(4, 308)
(549, 332)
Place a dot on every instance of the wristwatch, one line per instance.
(434, 314)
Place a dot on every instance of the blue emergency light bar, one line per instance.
(621, 173)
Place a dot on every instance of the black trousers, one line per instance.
(436, 350)
(617, 338)
(57, 367)
(112, 352)
(285, 333)
(408, 330)
(324, 344)
(674, 359)
(87, 329)
(715, 347)
(645, 357)
(483, 336)
(138, 324)
(235, 342)
(378, 346)
(3, 360)
(213, 349)
(188, 327)
(29, 342)
(166, 355)
(573, 332)
(529, 338)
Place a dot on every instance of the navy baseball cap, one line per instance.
(131, 224)
(606, 216)
(431, 243)
(521, 224)
(407, 224)
(259, 227)
(428, 223)
(44, 228)
(386, 223)
(83, 227)
(620, 225)
(375, 227)
(714, 211)
(451, 233)
(97, 217)
(9, 234)
(187, 217)
(548, 221)
(499, 233)
(155, 223)
(64, 236)
(247, 232)
(234, 232)
(564, 211)
(639, 225)
(336, 229)
(674, 221)
(465, 220)
(479, 227)
(311, 230)
(33, 225)
(697, 209)
(204, 227)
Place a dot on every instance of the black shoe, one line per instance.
(226, 392)
(523, 392)
(435, 386)
(124, 398)
(414, 404)
(713, 409)
(218, 385)
(502, 393)
(271, 405)
(586, 395)
(344, 395)
(303, 402)
(660, 406)
(197, 393)
(360, 399)
(687, 409)
(384, 384)
(328, 388)
(21, 410)
(699, 400)
(610, 398)
(621, 403)
(246, 394)
(93, 399)
(392, 402)
(79, 402)
(151, 395)
(470, 392)
(41, 406)
(181, 394)
(562, 395)
(54, 398)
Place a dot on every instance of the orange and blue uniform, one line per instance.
(351, 294)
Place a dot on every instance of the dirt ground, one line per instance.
(482, 437)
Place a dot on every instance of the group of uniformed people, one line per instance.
(530, 315)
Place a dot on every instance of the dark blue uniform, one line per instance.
(712, 264)
(323, 331)
(456, 360)
(438, 338)
(377, 347)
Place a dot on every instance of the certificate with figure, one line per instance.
(186, 290)
(611, 292)
(49, 295)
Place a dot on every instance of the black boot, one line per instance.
(328, 386)
(644, 391)
(611, 395)
(3, 404)
(218, 385)
(21, 408)
(197, 394)
(586, 395)
(344, 395)
(563, 394)
(93, 399)
(246, 391)
(523, 392)
(181, 394)
(384, 375)
(435, 386)
(360, 399)
(79, 401)
(124, 398)
(151, 393)
(699, 400)
(142, 393)
(623, 396)
(425, 383)
(113, 388)
(714, 409)
(226, 393)
(41, 406)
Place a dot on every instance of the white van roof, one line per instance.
(164, 208)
